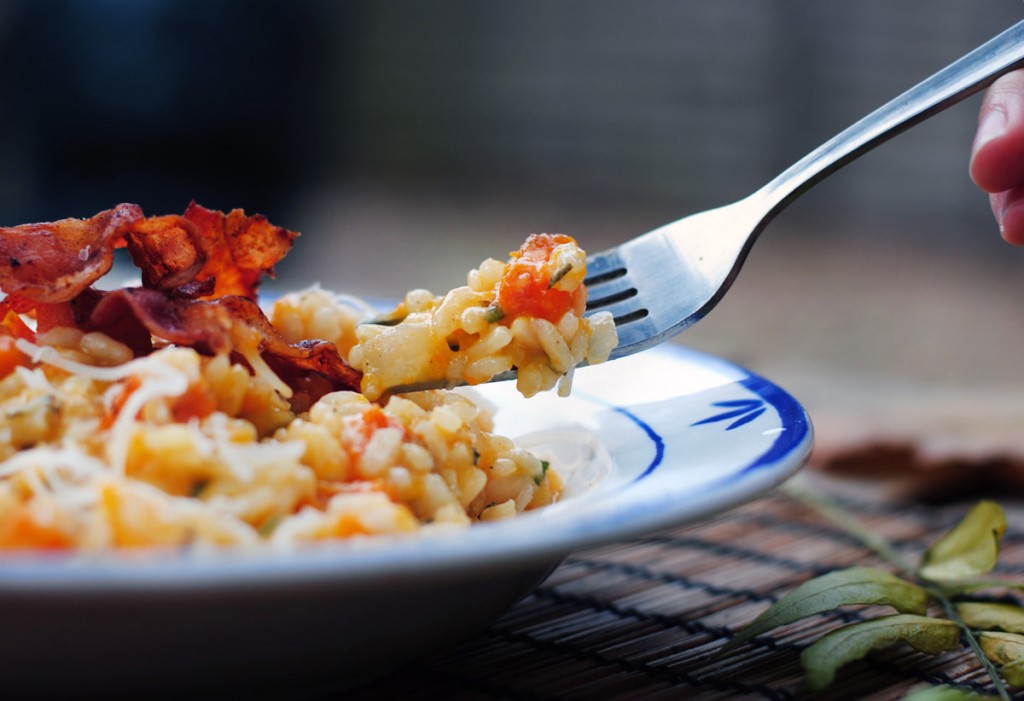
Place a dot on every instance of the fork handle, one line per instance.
(960, 79)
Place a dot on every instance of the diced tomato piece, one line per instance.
(22, 531)
(347, 526)
(198, 401)
(14, 325)
(360, 430)
(129, 386)
(10, 356)
(525, 288)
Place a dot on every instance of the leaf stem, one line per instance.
(972, 641)
(805, 494)
(816, 500)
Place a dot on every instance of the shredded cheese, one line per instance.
(261, 369)
(35, 379)
(158, 379)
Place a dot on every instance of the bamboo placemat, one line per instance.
(644, 618)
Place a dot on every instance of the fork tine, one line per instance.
(604, 272)
(607, 281)
(651, 290)
(611, 288)
(604, 266)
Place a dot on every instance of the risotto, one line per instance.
(525, 314)
(177, 415)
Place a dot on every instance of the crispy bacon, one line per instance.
(200, 273)
(294, 361)
(168, 250)
(240, 249)
(53, 262)
(234, 250)
(223, 325)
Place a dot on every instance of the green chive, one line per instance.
(386, 321)
(544, 465)
(269, 525)
(559, 274)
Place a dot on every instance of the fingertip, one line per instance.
(984, 172)
(1011, 222)
(997, 163)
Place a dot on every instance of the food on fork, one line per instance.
(176, 414)
(525, 314)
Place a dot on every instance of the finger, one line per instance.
(1008, 208)
(997, 154)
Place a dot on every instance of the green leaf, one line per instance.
(1002, 648)
(1006, 650)
(984, 616)
(857, 585)
(1013, 673)
(942, 693)
(849, 643)
(970, 549)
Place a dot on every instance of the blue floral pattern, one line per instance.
(742, 410)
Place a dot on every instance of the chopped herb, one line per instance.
(559, 274)
(198, 487)
(544, 465)
(386, 321)
(494, 314)
(269, 526)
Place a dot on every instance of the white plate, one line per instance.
(645, 443)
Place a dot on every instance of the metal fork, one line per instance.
(658, 284)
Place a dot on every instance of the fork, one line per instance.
(660, 283)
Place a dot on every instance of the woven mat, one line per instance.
(643, 619)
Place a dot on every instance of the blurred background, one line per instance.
(409, 140)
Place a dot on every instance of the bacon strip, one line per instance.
(200, 273)
(234, 250)
(168, 250)
(240, 249)
(222, 325)
(53, 262)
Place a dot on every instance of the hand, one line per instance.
(997, 156)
